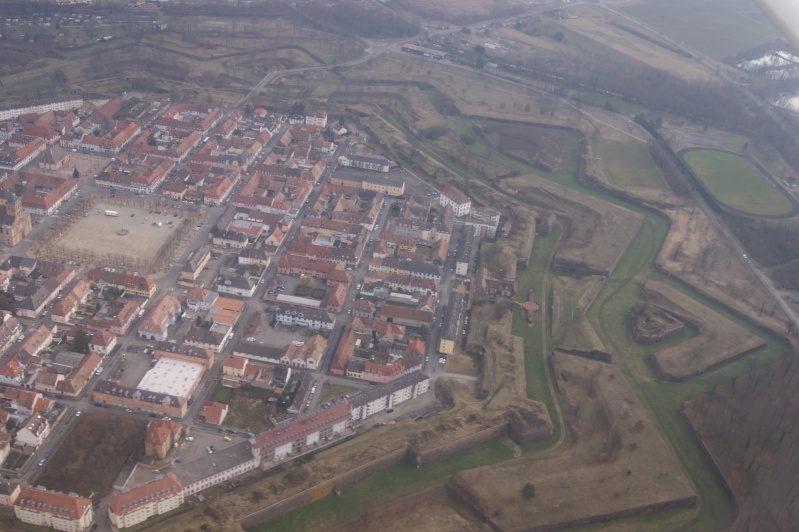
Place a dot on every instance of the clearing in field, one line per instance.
(619, 461)
(736, 183)
(719, 339)
(92, 454)
(627, 164)
(537, 146)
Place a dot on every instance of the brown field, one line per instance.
(430, 510)
(593, 23)
(93, 453)
(619, 462)
(597, 232)
(542, 147)
(695, 252)
(460, 363)
(719, 339)
(750, 427)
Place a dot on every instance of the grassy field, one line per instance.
(391, 484)
(718, 28)
(222, 394)
(735, 182)
(627, 164)
(332, 391)
(249, 410)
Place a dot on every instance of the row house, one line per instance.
(132, 284)
(65, 309)
(298, 265)
(365, 162)
(113, 140)
(16, 158)
(41, 507)
(43, 195)
(66, 103)
(217, 468)
(189, 117)
(77, 379)
(213, 339)
(376, 399)
(421, 270)
(180, 351)
(135, 505)
(171, 144)
(194, 265)
(114, 394)
(138, 178)
(388, 186)
(115, 316)
(303, 434)
(311, 318)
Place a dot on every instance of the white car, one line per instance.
(189, 438)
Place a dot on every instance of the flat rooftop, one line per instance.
(172, 376)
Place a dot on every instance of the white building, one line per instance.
(218, 467)
(316, 119)
(376, 399)
(311, 318)
(34, 432)
(40, 107)
(461, 203)
(304, 433)
(138, 504)
(41, 507)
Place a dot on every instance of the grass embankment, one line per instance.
(736, 183)
(384, 487)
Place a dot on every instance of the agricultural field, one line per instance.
(594, 23)
(717, 28)
(93, 453)
(749, 428)
(627, 164)
(736, 183)
(718, 340)
(619, 462)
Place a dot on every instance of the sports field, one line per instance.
(736, 183)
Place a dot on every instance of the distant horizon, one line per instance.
(784, 14)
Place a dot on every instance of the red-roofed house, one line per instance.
(214, 412)
(160, 437)
(46, 508)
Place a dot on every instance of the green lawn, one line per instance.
(331, 391)
(736, 183)
(627, 164)
(383, 487)
(222, 394)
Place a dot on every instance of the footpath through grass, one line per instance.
(384, 487)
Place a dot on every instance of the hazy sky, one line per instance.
(785, 15)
